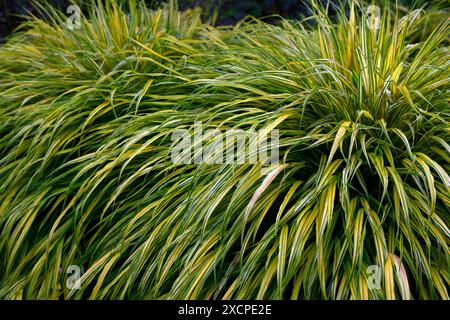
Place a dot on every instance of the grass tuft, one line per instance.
(361, 190)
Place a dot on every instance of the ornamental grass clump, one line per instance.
(357, 207)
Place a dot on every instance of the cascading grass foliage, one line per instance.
(361, 189)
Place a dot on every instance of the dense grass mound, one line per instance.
(361, 189)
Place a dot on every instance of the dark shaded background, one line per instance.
(229, 11)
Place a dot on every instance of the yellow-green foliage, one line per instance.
(86, 177)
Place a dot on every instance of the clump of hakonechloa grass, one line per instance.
(87, 179)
